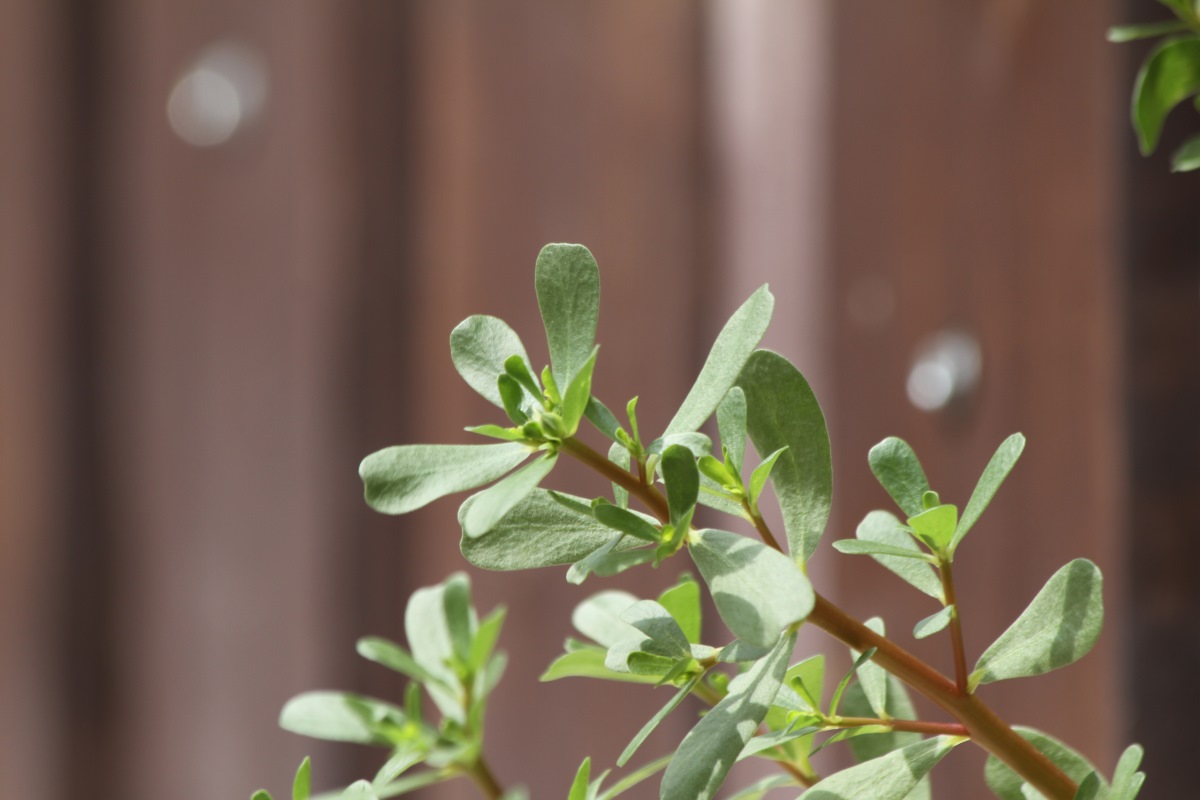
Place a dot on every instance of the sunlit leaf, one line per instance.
(758, 478)
(588, 662)
(783, 412)
(662, 713)
(890, 777)
(579, 786)
(867, 547)
(731, 424)
(432, 645)
(578, 394)
(683, 602)
(302, 783)
(568, 291)
(1007, 784)
(1058, 628)
(657, 623)
(1127, 781)
(883, 528)
(340, 717)
(479, 346)
(729, 352)
(898, 470)
(708, 751)
(871, 676)
(935, 526)
(994, 474)
(400, 479)
(626, 521)
(392, 656)
(933, 623)
(758, 591)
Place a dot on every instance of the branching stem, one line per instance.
(956, 637)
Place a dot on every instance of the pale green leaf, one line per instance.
(657, 623)
(715, 497)
(302, 783)
(1127, 781)
(898, 470)
(776, 738)
(360, 790)
(759, 789)
(399, 762)
(1148, 30)
(579, 394)
(683, 602)
(579, 786)
(731, 424)
(662, 713)
(392, 656)
(568, 291)
(588, 662)
(400, 479)
(783, 412)
(608, 560)
(599, 617)
(758, 478)
(729, 353)
(626, 521)
(682, 480)
(486, 636)
(619, 455)
(407, 784)
(709, 750)
(994, 474)
(890, 777)
(867, 747)
(537, 532)
(1007, 784)
(340, 717)
(867, 547)
(934, 623)
(432, 647)
(640, 656)
(479, 346)
(871, 676)
(739, 652)
(460, 616)
(1058, 628)
(634, 778)
(883, 528)
(758, 591)
(491, 505)
(1187, 157)
(935, 526)
(1169, 75)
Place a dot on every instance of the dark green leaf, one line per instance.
(513, 399)
(598, 414)
(783, 412)
(899, 472)
(935, 526)
(479, 346)
(649, 727)
(487, 508)
(933, 623)
(733, 346)
(1187, 157)
(1058, 628)
(400, 479)
(683, 602)
(302, 784)
(731, 424)
(993, 475)
(1148, 30)
(710, 749)
(626, 521)
(890, 777)
(683, 482)
(589, 663)
(537, 532)
(883, 528)
(1006, 784)
(758, 478)
(1090, 788)
(568, 291)
(758, 591)
(579, 393)
(340, 717)
(1170, 75)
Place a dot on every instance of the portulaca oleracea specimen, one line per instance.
(761, 702)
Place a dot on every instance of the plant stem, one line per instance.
(906, 725)
(761, 526)
(985, 728)
(956, 637)
(485, 780)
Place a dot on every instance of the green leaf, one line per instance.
(758, 478)
(758, 591)
(898, 470)
(598, 414)
(360, 790)
(683, 602)
(619, 455)
(608, 560)
(716, 472)
(400, 479)
(486, 636)
(871, 676)
(993, 475)
(775, 738)
(935, 527)
(261, 794)
(1184, 9)
(340, 717)
(491, 505)
(624, 520)
(1058, 628)
(1187, 157)
(729, 353)
(498, 432)
(513, 398)
(537, 532)
(302, 784)
(1127, 781)
(399, 762)
(392, 656)
(890, 777)
(866, 547)
(859, 660)
(588, 662)
(934, 623)
(599, 617)
(1090, 788)
(1169, 75)
(1007, 784)
(883, 528)
(899, 706)
(682, 479)
(479, 346)
(1148, 30)
(758, 790)
(635, 777)
(657, 623)
(460, 617)
(731, 424)
(579, 786)
(783, 412)
(579, 394)
(662, 713)
(710, 749)
(432, 646)
(568, 291)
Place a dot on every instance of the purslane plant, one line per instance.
(760, 702)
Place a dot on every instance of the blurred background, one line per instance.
(234, 238)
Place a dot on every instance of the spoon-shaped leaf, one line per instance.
(899, 472)
(568, 291)
(729, 352)
(479, 346)
(883, 528)
(710, 749)
(400, 479)
(993, 475)
(1058, 628)
(682, 480)
(758, 591)
(783, 412)
(490, 505)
